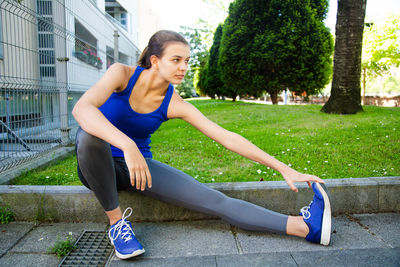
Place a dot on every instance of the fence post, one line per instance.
(116, 52)
(60, 40)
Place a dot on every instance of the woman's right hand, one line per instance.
(137, 166)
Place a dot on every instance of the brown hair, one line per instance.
(157, 45)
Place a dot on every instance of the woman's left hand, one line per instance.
(292, 176)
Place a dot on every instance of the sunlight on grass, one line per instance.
(330, 146)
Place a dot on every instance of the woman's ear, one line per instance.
(154, 61)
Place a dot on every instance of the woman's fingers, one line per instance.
(308, 177)
(316, 179)
(143, 184)
(291, 185)
(312, 178)
(132, 176)
(139, 176)
(300, 177)
(148, 175)
(138, 180)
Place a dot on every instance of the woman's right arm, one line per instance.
(86, 112)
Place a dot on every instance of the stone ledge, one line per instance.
(78, 204)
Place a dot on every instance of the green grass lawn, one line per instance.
(330, 146)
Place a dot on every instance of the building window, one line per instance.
(27, 115)
(110, 56)
(45, 24)
(44, 7)
(118, 13)
(110, 11)
(46, 38)
(123, 19)
(123, 58)
(86, 46)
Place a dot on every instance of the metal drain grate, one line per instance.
(93, 249)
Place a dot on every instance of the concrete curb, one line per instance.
(78, 204)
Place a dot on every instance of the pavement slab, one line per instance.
(346, 234)
(31, 260)
(351, 235)
(40, 239)
(349, 257)
(358, 240)
(11, 233)
(384, 225)
(195, 261)
(186, 238)
(256, 259)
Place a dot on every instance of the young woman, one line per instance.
(117, 116)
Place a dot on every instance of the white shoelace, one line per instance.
(305, 211)
(126, 233)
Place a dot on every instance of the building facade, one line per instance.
(51, 52)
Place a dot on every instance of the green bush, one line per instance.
(6, 215)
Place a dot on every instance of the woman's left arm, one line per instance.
(235, 142)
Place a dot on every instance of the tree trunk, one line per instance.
(274, 97)
(234, 97)
(346, 91)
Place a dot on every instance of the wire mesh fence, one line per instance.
(50, 53)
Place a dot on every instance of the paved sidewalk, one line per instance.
(358, 239)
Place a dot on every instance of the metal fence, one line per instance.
(40, 61)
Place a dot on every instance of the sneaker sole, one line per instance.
(326, 218)
(127, 256)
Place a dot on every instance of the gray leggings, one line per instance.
(105, 175)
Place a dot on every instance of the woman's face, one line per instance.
(173, 65)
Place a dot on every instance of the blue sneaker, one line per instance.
(317, 216)
(123, 238)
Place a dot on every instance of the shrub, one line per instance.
(62, 247)
(6, 215)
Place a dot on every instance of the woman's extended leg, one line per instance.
(176, 187)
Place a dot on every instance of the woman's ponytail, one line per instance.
(144, 59)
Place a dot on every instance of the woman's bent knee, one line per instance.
(86, 142)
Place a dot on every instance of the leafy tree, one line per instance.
(271, 45)
(210, 78)
(320, 8)
(308, 46)
(381, 48)
(346, 91)
(199, 52)
(234, 47)
(202, 82)
(186, 89)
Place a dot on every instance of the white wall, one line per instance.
(132, 7)
(19, 66)
(81, 75)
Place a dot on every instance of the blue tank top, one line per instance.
(138, 126)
